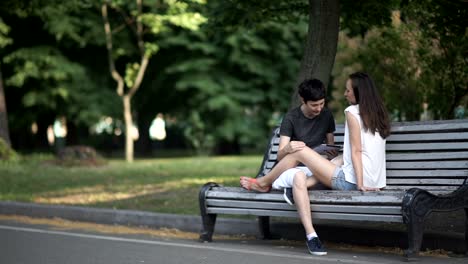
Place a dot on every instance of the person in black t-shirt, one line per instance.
(309, 125)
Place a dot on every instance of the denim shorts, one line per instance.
(339, 183)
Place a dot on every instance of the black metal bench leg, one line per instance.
(208, 220)
(416, 205)
(466, 231)
(264, 227)
(415, 229)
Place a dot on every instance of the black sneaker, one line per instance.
(315, 247)
(288, 196)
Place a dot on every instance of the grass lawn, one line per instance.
(165, 185)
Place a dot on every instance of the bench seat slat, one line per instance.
(322, 196)
(422, 182)
(319, 215)
(283, 206)
(391, 195)
(430, 188)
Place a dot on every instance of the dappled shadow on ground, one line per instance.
(183, 201)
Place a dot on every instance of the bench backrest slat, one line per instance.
(456, 164)
(426, 173)
(454, 146)
(463, 155)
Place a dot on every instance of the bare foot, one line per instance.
(252, 184)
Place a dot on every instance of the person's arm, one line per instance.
(356, 149)
(287, 146)
(284, 141)
(330, 139)
(356, 152)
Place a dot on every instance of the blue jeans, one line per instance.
(339, 183)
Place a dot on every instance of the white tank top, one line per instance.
(373, 155)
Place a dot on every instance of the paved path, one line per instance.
(22, 243)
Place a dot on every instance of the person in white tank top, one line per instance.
(372, 154)
(362, 166)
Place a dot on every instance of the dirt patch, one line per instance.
(62, 224)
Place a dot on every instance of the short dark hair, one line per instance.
(311, 90)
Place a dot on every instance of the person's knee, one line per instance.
(298, 153)
(300, 180)
(301, 154)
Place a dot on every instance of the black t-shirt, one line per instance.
(312, 131)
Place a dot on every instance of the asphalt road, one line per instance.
(22, 243)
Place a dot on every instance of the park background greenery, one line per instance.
(222, 72)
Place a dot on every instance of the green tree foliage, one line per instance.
(6, 152)
(4, 30)
(225, 81)
(389, 56)
(234, 80)
(54, 83)
(419, 60)
(4, 129)
(358, 17)
(443, 52)
(46, 73)
(355, 16)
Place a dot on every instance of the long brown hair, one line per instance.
(371, 107)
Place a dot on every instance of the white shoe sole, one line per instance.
(287, 199)
(318, 253)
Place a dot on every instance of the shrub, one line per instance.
(79, 156)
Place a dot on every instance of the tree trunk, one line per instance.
(128, 128)
(4, 131)
(322, 41)
(126, 97)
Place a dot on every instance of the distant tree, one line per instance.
(156, 19)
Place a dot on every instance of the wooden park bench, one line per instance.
(427, 170)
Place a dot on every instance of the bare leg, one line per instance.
(302, 202)
(267, 180)
(311, 182)
(322, 168)
(338, 160)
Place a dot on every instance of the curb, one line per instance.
(127, 217)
